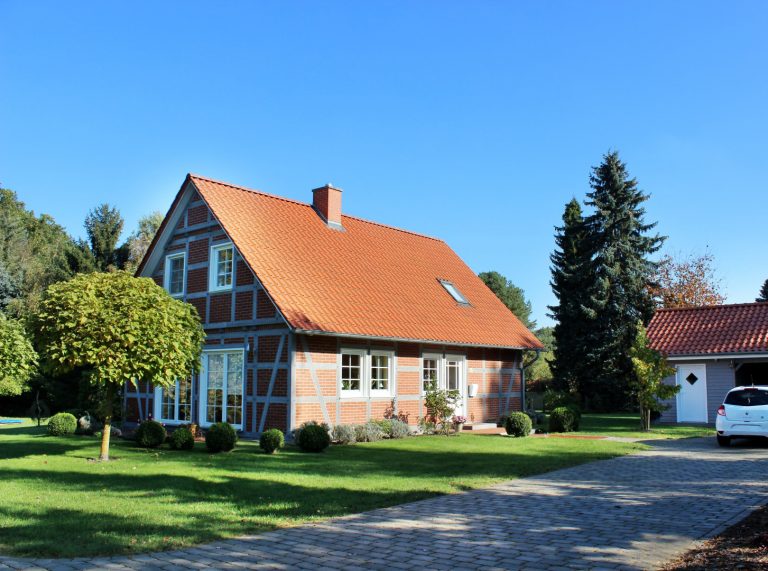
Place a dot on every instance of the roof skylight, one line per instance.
(454, 291)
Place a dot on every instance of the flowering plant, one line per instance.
(459, 419)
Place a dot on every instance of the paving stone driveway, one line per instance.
(633, 512)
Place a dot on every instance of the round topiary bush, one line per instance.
(150, 434)
(313, 438)
(221, 437)
(518, 424)
(563, 419)
(182, 439)
(271, 440)
(62, 424)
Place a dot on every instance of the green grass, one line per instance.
(627, 425)
(55, 502)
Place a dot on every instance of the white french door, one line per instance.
(221, 387)
(454, 380)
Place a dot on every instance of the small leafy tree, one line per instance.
(687, 282)
(18, 360)
(122, 330)
(650, 370)
(441, 404)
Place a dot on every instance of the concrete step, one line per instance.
(479, 426)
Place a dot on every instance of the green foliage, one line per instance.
(62, 424)
(150, 434)
(518, 424)
(182, 439)
(221, 437)
(399, 429)
(570, 279)
(138, 243)
(385, 425)
(370, 431)
(510, 295)
(440, 404)
(763, 296)
(344, 434)
(539, 370)
(426, 426)
(104, 224)
(650, 368)
(564, 419)
(555, 399)
(271, 440)
(18, 360)
(313, 437)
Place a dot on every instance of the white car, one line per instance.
(744, 413)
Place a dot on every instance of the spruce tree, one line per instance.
(569, 281)
(763, 297)
(620, 273)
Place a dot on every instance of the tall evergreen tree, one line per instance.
(104, 224)
(570, 264)
(763, 297)
(510, 295)
(619, 244)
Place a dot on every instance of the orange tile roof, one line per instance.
(717, 329)
(368, 280)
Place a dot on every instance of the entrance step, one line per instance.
(480, 426)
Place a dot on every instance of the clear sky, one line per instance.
(472, 121)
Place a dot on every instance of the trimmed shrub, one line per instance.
(563, 419)
(344, 434)
(271, 440)
(150, 434)
(303, 425)
(385, 425)
(399, 429)
(502, 422)
(313, 437)
(182, 439)
(62, 424)
(221, 437)
(518, 424)
(368, 432)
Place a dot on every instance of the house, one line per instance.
(713, 349)
(312, 314)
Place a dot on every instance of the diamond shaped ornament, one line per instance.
(692, 378)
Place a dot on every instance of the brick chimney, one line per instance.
(326, 201)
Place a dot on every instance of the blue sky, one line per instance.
(471, 121)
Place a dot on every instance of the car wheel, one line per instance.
(724, 441)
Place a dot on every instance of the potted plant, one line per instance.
(458, 422)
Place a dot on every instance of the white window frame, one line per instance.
(158, 404)
(213, 267)
(454, 291)
(390, 355)
(439, 365)
(203, 387)
(167, 276)
(358, 393)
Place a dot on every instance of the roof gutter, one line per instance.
(716, 356)
(408, 340)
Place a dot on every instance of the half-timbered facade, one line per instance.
(315, 315)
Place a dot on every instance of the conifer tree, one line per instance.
(569, 280)
(763, 297)
(620, 273)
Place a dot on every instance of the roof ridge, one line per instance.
(308, 205)
(708, 307)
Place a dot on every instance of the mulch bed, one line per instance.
(743, 546)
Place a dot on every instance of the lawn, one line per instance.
(55, 502)
(627, 425)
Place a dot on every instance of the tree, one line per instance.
(120, 329)
(570, 281)
(686, 282)
(510, 295)
(538, 370)
(138, 243)
(18, 360)
(650, 369)
(104, 224)
(620, 273)
(763, 297)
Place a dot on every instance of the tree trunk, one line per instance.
(107, 432)
(645, 419)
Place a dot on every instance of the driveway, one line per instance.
(633, 512)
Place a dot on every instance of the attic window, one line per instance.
(454, 291)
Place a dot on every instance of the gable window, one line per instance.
(174, 404)
(222, 267)
(352, 372)
(429, 373)
(221, 388)
(174, 274)
(454, 291)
